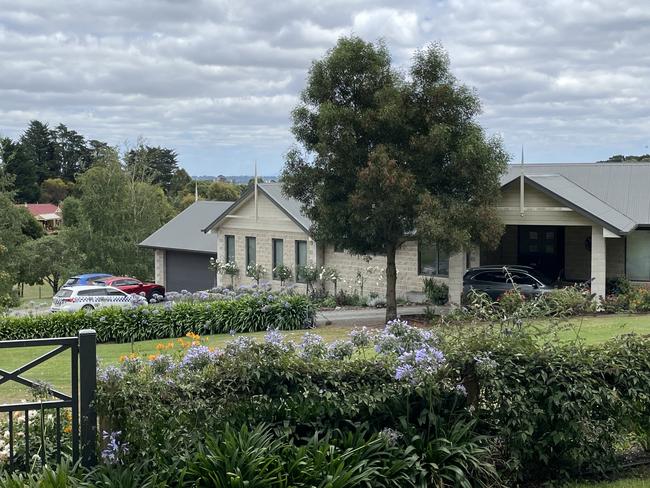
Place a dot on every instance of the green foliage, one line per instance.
(50, 258)
(619, 158)
(283, 273)
(21, 169)
(513, 306)
(384, 153)
(12, 236)
(115, 211)
(247, 313)
(54, 190)
(437, 292)
(223, 191)
(159, 162)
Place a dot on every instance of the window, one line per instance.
(638, 255)
(131, 282)
(230, 249)
(523, 279)
(491, 277)
(115, 293)
(96, 292)
(278, 253)
(432, 261)
(251, 251)
(301, 260)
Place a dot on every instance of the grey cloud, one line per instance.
(217, 79)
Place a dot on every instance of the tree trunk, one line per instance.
(391, 281)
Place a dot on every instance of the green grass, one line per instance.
(597, 329)
(56, 371)
(35, 292)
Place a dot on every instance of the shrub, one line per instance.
(344, 299)
(244, 313)
(436, 292)
(639, 299)
(282, 272)
(511, 301)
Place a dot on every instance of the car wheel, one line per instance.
(87, 308)
(157, 291)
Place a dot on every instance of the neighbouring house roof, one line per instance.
(184, 233)
(290, 206)
(44, 211)
(614, 194)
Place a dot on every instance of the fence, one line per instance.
(80, 401)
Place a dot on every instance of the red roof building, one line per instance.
(48, 214)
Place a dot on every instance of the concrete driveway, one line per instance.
(362, 316)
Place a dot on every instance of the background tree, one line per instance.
(72, 153)
(161, 161)
(115, 210)
(179, 181)
(385, 155)
(54, 190)
(12, 236)
(619, 158)
(21, 169)
(49, 259)
(223, 191)
(40, 150)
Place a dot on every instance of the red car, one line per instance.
(131, 285)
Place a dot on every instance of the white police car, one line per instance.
(88, 298)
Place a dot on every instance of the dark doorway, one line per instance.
(542, 247)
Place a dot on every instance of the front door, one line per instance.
(542, 247)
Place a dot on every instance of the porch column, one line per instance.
(456, 272)
(598, 261)
(160, 275)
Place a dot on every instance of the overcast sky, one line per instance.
(217, 79)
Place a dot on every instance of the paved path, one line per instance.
(362, 316)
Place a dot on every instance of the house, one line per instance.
(48, 214)
(182, 251)
(573, 221)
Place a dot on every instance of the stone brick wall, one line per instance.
(264, 253)
(159, 267)
(406, 262)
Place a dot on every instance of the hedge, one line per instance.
(247, 313)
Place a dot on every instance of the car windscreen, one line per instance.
(63, 293)
(538, 275)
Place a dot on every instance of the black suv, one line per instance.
(495, 280)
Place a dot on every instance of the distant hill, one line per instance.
(240, 179)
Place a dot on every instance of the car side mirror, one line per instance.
(536, 285)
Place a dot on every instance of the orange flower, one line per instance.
(151, 357)
(160, 347)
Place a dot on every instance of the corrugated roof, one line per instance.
(184, 233)
(622, 186)
(42, 208)
(583, 202)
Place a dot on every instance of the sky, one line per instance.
(217, 79)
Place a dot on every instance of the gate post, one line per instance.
(88, 385)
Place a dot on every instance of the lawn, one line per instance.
(628, 483)
(56, 371)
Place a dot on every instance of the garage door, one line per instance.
(188, 271)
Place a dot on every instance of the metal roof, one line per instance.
(290, 206)
(616, 193)
(184, 233)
